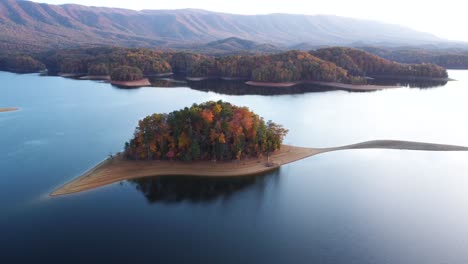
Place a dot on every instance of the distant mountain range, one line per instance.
(28, 26)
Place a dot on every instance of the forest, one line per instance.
(207, 131)
(343, 65)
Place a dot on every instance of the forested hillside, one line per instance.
(448, 58)
(342, 65)
(27, 26)
(360, 63)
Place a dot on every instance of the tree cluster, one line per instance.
(208, 131)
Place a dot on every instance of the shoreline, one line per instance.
(95, 77)
(8, 109)
(344, 86)
(119, 169)
(132, 84)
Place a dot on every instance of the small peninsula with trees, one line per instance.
(215, 139)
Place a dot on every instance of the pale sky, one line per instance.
(446, 19)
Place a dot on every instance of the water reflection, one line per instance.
(176, 189)
(240, 88)
(422, 84)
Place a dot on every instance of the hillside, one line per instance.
(338, 64)
(33, 26)
(230, 46)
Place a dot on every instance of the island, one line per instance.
(215, 139)
(9, 109)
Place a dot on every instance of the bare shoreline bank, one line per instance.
(118, 169)
(132, 84)
(357, 87)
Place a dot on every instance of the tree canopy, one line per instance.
(208, 131)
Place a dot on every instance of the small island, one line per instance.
(215, 139)
(8, 109)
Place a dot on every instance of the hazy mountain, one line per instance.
(30, 25)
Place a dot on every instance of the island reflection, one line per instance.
(196, 189)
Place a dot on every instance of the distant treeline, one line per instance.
(343, 65)
(448, 58)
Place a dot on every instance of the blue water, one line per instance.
(356, 206)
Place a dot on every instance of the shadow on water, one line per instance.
(177, 189)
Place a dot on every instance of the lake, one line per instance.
(354, 206)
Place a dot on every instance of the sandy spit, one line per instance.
(119, 169)
(9, 109)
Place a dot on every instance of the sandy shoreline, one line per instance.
(131, 84)
(8, 109)
(356, 87)
(119, 169)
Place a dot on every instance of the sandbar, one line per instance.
(9, 109)
(118, 169)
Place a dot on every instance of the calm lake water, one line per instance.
(355, 206)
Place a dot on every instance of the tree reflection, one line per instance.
(240, 88)
(175, 189)
(230, 87)
(422, 84)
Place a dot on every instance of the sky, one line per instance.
(445, 19)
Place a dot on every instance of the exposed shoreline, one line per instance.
(8, 109)
(132, 84)
(95, 77)
(118, 169)
(356, 87)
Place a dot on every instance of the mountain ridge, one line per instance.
(72, 25)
